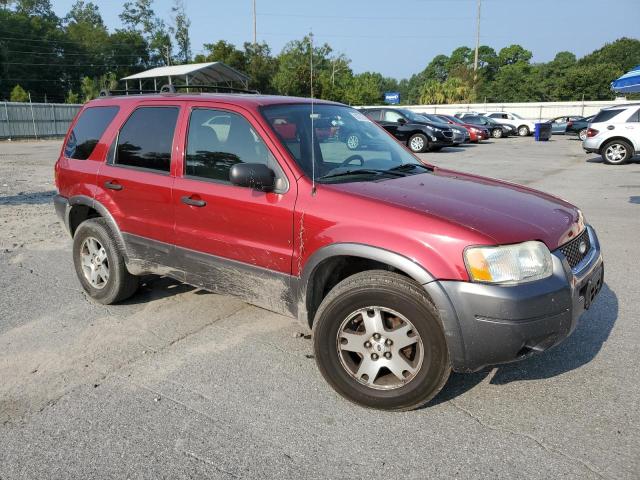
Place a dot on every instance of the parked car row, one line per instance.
(423, 132)
(576, 125)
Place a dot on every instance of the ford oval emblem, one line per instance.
(582, 247)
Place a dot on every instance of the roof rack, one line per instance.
(174, 89)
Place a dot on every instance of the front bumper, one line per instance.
(500, 324)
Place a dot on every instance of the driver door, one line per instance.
(394, 123)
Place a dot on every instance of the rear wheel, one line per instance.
(379, 342)
(582, 134)
(617, 152)
(523, 130)
(496, 133)
(418, 143)
(100, 265)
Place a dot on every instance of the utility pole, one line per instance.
(255, 30)
(475, 61)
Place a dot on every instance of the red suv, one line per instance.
(403, 271)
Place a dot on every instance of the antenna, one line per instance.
(312, 116)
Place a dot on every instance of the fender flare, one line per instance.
(448, 315)
(104, 213)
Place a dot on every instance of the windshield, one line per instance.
(515, 115)
(346, 145)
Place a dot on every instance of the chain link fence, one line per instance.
(35, 120)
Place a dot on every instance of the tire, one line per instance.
(352, 141)
(582, 134)
(403, 306)
(617, 152)
(496, 133)
(523, 131)
(418, 143)
(100, 265)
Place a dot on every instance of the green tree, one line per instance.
(363, 89)
(225, 52)
(260, 66)
(180, 31)
(591, 81)
(293, 74)
(19, 94)
(72, 97)
(624, 53)
(514, 54)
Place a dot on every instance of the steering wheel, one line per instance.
(351, 159)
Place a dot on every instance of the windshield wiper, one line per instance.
(359, 171)
(409, 166)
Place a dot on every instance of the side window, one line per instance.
(218, 139)
(146, 137)
(87, 131)
(391, 116)
(635, 118)
(606, 115)
(373, 115)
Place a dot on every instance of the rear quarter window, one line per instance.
(88, 130)
(606, 115)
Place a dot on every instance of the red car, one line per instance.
(402, 270)
(476, 132)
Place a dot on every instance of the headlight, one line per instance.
(509, 264)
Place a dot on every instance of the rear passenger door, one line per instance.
(136, 180)
(223, 222)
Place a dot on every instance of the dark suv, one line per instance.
(412, 129)
(403, 271)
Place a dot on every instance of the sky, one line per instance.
(399, 38)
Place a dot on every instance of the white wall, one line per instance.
(533, 110)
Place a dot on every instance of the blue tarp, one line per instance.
(628, 83)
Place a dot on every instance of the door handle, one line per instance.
(193, 202)
(113, 185)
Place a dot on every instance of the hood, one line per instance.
(505, 212)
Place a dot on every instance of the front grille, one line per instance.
(571, 250)
(448, 134)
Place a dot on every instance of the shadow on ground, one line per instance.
(28, 198)
(580, 348)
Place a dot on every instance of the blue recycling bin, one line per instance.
(542, 132)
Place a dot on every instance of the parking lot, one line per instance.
(180, 383)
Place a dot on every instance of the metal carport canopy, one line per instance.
(195, 73)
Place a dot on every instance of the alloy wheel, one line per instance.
(616, 152)
(94, 262)
(353, 141)
(417, 144)
(379, 348)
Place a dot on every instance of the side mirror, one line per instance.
(253, 175)
(402, 121)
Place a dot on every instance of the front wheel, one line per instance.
(496, 133)
(418, 143)
(617, 152)
(353, 141)
(523, 131)
(583, 134)
(378, 342)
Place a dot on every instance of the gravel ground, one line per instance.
(180, 383)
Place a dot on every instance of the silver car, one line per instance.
(614, 133)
